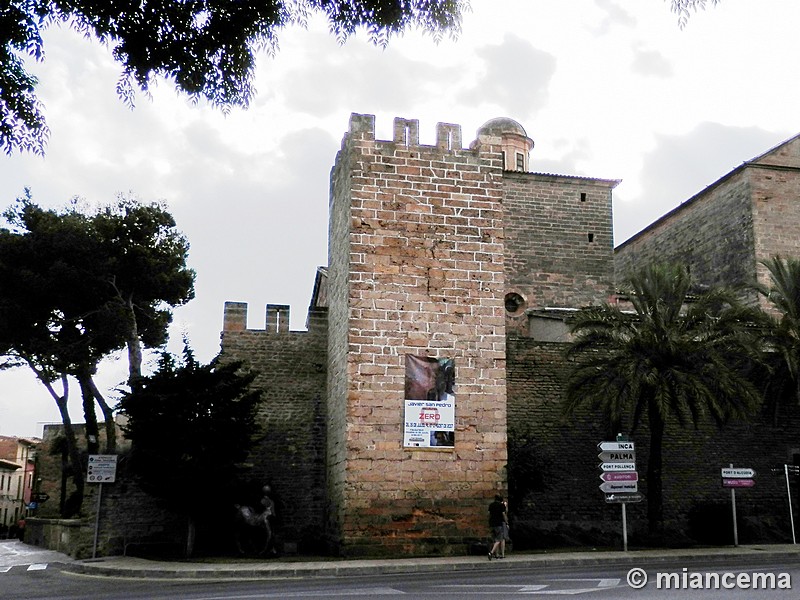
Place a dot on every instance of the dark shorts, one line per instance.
(500, 533)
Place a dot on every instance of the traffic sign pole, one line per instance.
(97, 519)
(619, 477)
(733, 508)
(102, 468)
(789, 492)
(624, 528)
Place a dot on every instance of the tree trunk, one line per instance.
(62, 499)
(108, 416)
(655, 500)
(68, 509)
(191, 534)
(92, 428)
(134, 348)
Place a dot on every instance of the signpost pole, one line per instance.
(97, 519)
(624, 528)
(789, 493)
(733, 508)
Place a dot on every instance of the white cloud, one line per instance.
(515, 76)
(651, 63)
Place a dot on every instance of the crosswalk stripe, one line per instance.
(37, 567)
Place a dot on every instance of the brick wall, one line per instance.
(558, 241)
(723, 232)
(290, 455)
(563, 501)
(712, 233)
(775, 191)
(416, 268)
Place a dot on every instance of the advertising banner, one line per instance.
(429, 403)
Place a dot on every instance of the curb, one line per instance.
(142, 568)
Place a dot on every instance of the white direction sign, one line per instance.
(738, 473)
(102, 468)
(615, 446)
(621, 456)
(617, 466)
(612, 487)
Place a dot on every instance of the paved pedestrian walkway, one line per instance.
(120, 566)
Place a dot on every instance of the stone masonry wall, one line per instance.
(558, 241)
(290, 455)
(562, 499)
(417, 268)
(712, 233)
(338, 343)
(775, 188)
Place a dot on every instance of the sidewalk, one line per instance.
(122, 566)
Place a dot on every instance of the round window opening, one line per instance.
(514, 302)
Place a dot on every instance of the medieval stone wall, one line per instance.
(776, 212)
(712, 233)
(558, 499)
(416, 268)
(558, 241)
(290, 453)
(347, 161)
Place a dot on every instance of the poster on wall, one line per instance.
(430, 402)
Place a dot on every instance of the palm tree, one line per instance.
(673, 355)
(783, 327)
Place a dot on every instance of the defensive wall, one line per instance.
(416, 268)
(290, 452)
(723, 232)
(554, 475)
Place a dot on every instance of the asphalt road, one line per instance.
(35, 574)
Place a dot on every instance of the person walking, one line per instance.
(498, 521)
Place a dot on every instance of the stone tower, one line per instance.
(415, 277)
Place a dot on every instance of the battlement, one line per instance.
(406, 132)
(235, 318)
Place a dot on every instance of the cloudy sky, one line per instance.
(606, 88)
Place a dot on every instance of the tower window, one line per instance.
(583, 196)
(591, 237)
(514, 303)
(520, 161)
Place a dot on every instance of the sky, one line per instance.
(612, 89)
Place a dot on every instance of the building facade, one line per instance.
(17, 479)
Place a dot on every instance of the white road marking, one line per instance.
(539, 589)
(37, 567)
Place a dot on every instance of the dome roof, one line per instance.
(501, 125)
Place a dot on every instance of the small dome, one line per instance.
(501, 125)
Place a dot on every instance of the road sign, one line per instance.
(738, 483)
(617, 466)
(623, 456)
(619, 498)
(738, 473)
(611, 487)
(102, 468)
(620, 476)
(615, 446)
